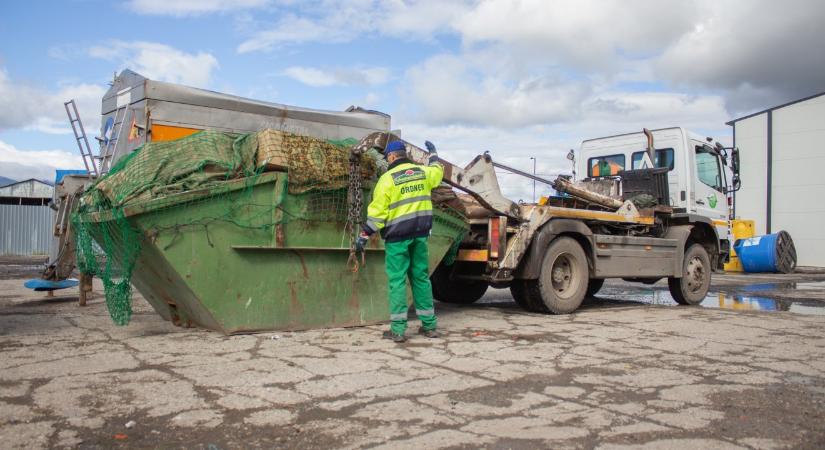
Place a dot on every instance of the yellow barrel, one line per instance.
(741, 229)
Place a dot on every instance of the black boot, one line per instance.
(397, 338)
(432, 334)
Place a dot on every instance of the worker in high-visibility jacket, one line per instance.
(605, 168)
(402, 211)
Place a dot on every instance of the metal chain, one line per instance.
(355, 199)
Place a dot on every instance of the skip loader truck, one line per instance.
(653, 205)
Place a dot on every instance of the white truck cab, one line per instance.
(698, 172)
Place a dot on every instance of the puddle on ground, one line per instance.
(787, 285)
(811, 285)
(739, 302)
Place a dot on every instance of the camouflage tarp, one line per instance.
(311, 163)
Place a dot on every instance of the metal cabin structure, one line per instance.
(136, 110)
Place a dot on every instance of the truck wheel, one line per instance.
(562, 282)
(692, 288)
(594, 286)
(526, 296)
(517, 291)
(455, 291)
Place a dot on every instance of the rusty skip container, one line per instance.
(235, 279)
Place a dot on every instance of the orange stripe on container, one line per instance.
(170, 133)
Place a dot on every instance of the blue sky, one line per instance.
(519, 78)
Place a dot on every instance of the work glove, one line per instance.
(430, 146)
(361, 242)
(433, 159)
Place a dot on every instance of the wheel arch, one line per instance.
(705, 235)
(530, 265)
(699, 232)
(703, 232)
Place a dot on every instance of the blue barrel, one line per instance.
(768, 253)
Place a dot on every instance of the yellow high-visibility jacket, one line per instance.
(401, 206)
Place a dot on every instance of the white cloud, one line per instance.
(762, 54)
(449, 89)
(583, 34)
(338, 21)
(420, 19)
(656, 110)
(192, 7)
(587, 33)
(753, 53)
(338, 76)
(23, 164)
(159, 61)
(26, 106)
(20, 104)
(371, 99)
(294, 30)
(311, 76)
(466, 90)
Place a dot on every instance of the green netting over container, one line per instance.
(206, 225)
(198, 162)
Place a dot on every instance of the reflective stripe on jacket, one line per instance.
(401, 207)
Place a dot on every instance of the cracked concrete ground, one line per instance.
(612, 375)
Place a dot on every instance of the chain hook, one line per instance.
(355, 204)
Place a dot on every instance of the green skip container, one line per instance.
(221, 272)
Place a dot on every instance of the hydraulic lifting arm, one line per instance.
(477, 179)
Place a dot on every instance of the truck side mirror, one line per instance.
(722, 151)
(735, 162)
(737, 183)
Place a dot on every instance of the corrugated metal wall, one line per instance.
(25, 230)
(795, 135)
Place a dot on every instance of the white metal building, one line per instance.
(26, 192)
(782, 153)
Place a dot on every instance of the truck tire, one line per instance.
(692, 288)
(457, 291)
(517, 291)
(563, 279)
(593, 286)
(527, 299)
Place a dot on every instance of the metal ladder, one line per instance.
(110, 145)
(80, 138)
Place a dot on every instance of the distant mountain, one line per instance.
(6, 181)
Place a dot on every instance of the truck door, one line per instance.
(709, 197)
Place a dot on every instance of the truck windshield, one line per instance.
(664, 158)
(605, 166)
